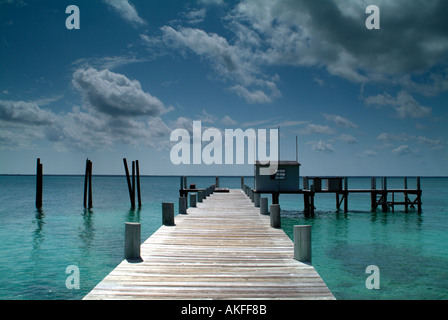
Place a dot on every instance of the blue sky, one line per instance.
(362, 102)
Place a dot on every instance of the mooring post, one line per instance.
(242, 182)
(133, 183)
(86, 180)
(128, 179)
(405, 185)
(312, 193)
(132, 240)
(384, 198)
(275, 215)
(346, 194)
(139, 195)
(39, 183)
(306, 202)
(90, 184)
(251, 195)
(182, 205)
(168, 213)
(302, 243)
(256, 199)
(217, 182)
(264, 206)
(373, 193)
(193, 200)
(419, 196)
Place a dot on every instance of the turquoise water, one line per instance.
(36, 247)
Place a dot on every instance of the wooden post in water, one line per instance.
(39, 183)
(86, 183)
(373, 193)
(275, 216)
(405, 183)
(312, 193)
(129, 183)
(90, 184)
(217, 182)
(346, 194)
(168, 214)
(242, 182)
(419, 196)
(139, 195)
(384, 193)
(133, 183)
(132, 240)
(302, 243)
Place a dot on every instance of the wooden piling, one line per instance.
(132, 241)
(90, 202)
(133, 183)
(86, 180)
(39, 183)
(302, 243)
(168, 213)
(346, 194)
(128, 179)
(405, 186)
(419, 196)
(139, 195)
(373, 193)
(242, 182)
(384, 207)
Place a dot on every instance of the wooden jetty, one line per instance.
(221, 249)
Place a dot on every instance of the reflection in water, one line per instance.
(133, 215)
(87, 233)
(38, 235)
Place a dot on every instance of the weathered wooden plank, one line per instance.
(222, 249)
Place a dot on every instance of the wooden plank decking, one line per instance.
(223, 249)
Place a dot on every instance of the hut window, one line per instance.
(279, 175)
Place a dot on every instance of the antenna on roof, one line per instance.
(297, 150)
(278, 144)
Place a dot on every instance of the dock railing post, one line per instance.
(182, 205)
(264, 206)
(193, 200)
(200, 196)
(132, 240)
(256, 199)
(302, 243)
(275, 215)
(168, 213)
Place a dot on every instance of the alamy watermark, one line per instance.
(373, 280)
(72, 281)
(189, 149)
